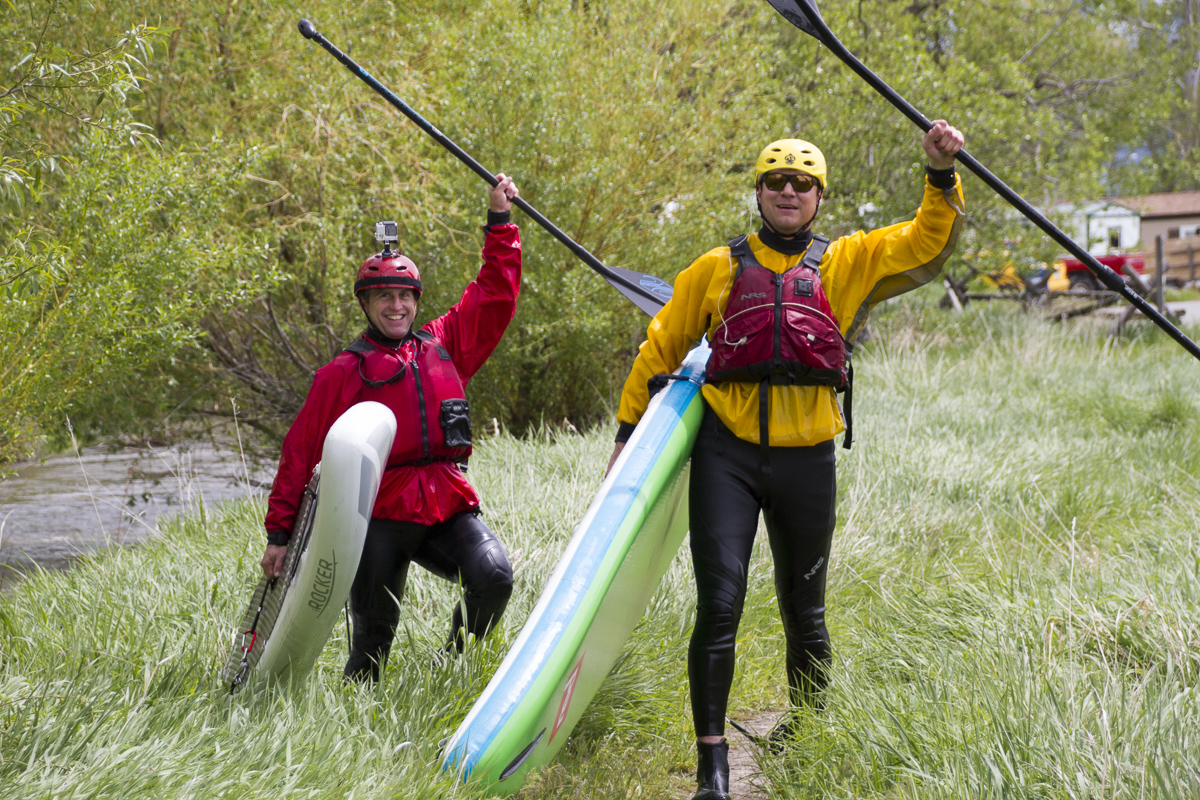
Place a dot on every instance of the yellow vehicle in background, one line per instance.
(1058, 280)
(1007, 279)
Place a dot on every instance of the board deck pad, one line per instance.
(250, 638)
(593, 600)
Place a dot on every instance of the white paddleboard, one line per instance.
(290, 617)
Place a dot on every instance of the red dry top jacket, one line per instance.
(425, 493)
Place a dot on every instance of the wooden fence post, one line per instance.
(1160, 280)
(952, 293)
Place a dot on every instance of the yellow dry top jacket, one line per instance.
(857, 272)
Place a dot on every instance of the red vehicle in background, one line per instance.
(1080, 277)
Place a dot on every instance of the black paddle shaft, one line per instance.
(646, 292)
(805, 16)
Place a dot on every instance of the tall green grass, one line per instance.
(1014, 601)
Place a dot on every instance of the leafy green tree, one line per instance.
(95, 321)
(633, 125)
(1159, 127)
(53, 92)
(109, 247)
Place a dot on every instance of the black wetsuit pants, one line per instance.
(728, 489)
(462, 549)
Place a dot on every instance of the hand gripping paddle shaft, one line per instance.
(645, 291)
(805, 16)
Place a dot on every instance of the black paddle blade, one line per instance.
(801, 13)
(655, 291)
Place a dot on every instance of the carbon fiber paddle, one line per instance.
(805, 16)
(645, 291)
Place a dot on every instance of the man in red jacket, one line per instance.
(426, 510)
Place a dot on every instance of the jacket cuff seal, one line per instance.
(941, 178)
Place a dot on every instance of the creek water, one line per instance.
(54, 510)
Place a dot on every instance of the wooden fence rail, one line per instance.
(1182, 257)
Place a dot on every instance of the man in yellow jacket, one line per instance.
(778, 307)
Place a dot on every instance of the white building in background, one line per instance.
(1103, 226)
(1131, 224)
(1174, 215)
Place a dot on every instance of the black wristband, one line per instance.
(278, 538)
(624, 431)
(941, 178)
(497, 218)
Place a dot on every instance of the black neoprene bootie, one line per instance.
(361, 668)
(782, 735)
(370, 643)
(713, 772)
(441, 658)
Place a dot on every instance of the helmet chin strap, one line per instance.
(362, 306)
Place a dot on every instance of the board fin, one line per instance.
(520, 759)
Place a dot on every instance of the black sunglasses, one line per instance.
(775, 181)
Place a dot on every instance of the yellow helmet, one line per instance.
(791, 154)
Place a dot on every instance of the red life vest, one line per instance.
(425, 393)
(779, 329)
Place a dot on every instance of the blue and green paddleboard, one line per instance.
(592, 602)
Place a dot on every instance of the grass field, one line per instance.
(1014, 602)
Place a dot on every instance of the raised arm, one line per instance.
(473, 327)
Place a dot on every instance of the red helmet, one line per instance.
(387, 269)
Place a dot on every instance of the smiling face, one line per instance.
(788, 211)
(391, 310)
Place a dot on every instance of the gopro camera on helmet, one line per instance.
(388, 233)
